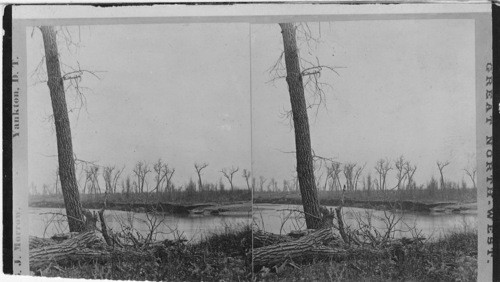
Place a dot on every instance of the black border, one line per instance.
(7, 141)
(495, 10)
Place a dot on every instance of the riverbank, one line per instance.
(452, 258)
(234, 209)
(214, 208)
(390, 203)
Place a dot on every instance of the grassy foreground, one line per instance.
(226, 257)
(220, 257)
(451, 258)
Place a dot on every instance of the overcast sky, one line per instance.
(191, 93)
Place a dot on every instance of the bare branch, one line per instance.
(311, 70)
(228, 173)
(383, 167)
(141, 170)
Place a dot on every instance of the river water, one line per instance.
(278, 219)
(45, 222)
(281, 219)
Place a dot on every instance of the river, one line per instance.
(284, 218)
(278, 219)
(45, 222)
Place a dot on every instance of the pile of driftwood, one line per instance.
(67, 248)
(93, 244)
(331, 241)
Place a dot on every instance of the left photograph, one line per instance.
(139, 151)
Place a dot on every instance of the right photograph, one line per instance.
(364, 149)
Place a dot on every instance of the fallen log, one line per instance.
(314, 243)
(86, 246)
(323, 244)
(36, 242)
(300, 233)
(263, 238)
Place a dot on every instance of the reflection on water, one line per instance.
(45, 222)
(284, 218)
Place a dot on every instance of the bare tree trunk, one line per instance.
(199, 168)
(441, 166)
(305, 169)
(63, 132)
(200, 184)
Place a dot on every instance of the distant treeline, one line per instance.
(145, 177)
(330, 176)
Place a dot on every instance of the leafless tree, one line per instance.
(107, 174)
(382, 167)
(410, 171)
(368, 183)
(160, 176)
(441, 166)
(135, 187)
(351, 173)
(63, 131)
(141, 170)
(246, 175)
(262, 181)
(170, 173)
(357, 174)
(56, 83)
(228, 173)
(199, 168)
(272, 185)
(400, 172)
(163, 174)
(305, 169)
(95, 180)
(333, 172)
(286, 185)
(116, 177)
(111, 179)
(329, 176)
(471, 173)
(126, 186)
(92, 179)
(221, 184)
